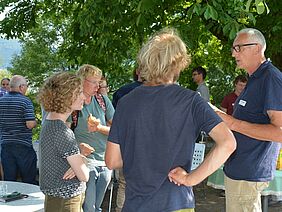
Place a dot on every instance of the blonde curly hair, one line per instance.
(59, 92)
(162, 56)
(89, 71)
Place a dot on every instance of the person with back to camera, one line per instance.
(3, 90)
(228, 101)
(17, 119)
(199, 75)
(154, 131)
(62, 169)
(256, 124)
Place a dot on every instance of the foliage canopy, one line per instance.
(63, 34)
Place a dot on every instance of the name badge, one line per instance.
(242, 102)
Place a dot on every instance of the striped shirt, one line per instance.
(2, 92)
(15, 110)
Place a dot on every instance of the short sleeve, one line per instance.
(29, 111)
(66, 144)
(204, 117)
(273, 96)
(109, 108)
(113, 135)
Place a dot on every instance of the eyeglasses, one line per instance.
(93, 82)
(24, 85)
(103, 86)
(237, 48)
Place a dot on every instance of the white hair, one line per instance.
(17, 80)
(254, 35)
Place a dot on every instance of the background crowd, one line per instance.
(142, 133)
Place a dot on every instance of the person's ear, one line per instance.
(258, 49)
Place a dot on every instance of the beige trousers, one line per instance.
(121, 191)
(243, 196)
(54, 204)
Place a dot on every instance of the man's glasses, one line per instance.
(237, 48)
(103, 86)
(93, 82)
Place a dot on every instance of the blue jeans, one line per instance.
(96, 186)
(18, 158)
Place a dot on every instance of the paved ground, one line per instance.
(215, 202)
(207, 200)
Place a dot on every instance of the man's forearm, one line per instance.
(30, 124)
(263, 132)
(103, 129)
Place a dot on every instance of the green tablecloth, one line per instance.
(216, 180)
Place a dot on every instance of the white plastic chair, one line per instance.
(198, 156)
(111, 186)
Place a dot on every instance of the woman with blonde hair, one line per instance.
(63, 172)
(92, 135)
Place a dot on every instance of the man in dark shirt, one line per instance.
(122, 91)
(256, 124)
(154, 131)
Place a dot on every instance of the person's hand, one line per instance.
(228, 120)
(86, 149)
(93, 123)
(69, 174)
(179, 176)
(216, 109)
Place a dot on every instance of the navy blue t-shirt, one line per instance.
(255, 160)
(123, 91)
(156, 128)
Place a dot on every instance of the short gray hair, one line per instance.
(17, 80)
(254, 35)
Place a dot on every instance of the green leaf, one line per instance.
(197, 9)
(139, 7)
(252, 18)
(214, 14)
(233, 32)
(248, 5)
(226, 29)
(190, 12)
(207, 13)
(260, 6)
(144, 5)
(138, 19)
(210, 12)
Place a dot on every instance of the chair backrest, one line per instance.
(198, 156)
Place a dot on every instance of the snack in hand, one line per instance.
(92, 120)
